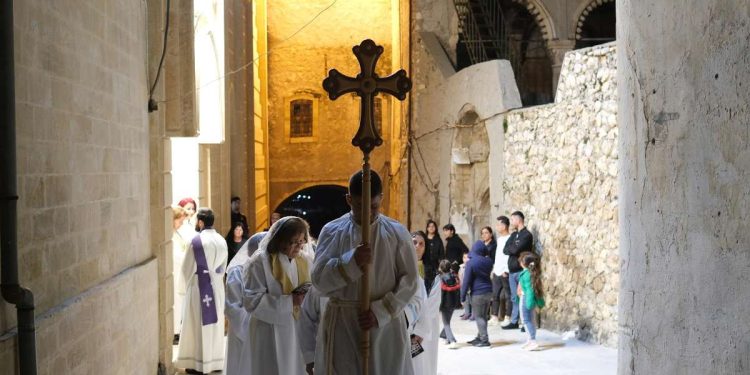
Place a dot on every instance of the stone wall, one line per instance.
(684, 172)
(561, 171)
(297, 66)
(83, 162)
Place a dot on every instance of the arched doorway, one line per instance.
(597, 25)
(522, 40)
(469, 183)
(316, 204)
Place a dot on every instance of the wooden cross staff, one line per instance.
(366, 85)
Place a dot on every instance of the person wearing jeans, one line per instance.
(477, 281)
(501, 303)
(519, 241)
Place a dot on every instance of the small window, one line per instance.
(301, 118)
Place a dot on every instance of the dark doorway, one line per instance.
(599, 27)
(317, 204)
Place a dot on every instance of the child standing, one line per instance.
(531, 293)
(467, 315)
(450, 287)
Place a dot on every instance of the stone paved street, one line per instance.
(558, 357)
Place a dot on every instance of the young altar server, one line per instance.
(201, 347)
(278, 277)
(426, 326)
(393, 282)
(238, 356)
(313, 309)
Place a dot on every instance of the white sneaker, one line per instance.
(446, 342)
(526, 344)
(505, 321)
(453, 345)
(533, 346)
(493, 321)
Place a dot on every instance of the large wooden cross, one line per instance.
(366, 85)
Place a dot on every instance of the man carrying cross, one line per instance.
(365, 262)
(393, 282)
(201, 348)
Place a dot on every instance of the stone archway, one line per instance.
(592, 22)
(317, 204)
(469, 176)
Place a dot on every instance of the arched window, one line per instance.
(301, 115)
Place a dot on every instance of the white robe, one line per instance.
(393, 282)
(274, 343)
(202, 347)
(179, 248)
(238, 338)
(427, 327)
(313, 309)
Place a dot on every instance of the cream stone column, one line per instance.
(684, 172)
(557, 50)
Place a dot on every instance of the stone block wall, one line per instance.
(83, 162)
(561, 171)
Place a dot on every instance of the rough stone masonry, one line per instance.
(561, 171)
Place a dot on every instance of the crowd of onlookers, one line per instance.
(497, 281)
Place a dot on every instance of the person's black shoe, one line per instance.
(442, 335)
(482, 344)
(475, 341)
(511, 326)
(523, 329)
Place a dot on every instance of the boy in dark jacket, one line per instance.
(477, 281)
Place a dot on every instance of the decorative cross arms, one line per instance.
(367, 85)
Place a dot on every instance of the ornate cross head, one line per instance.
(367, 85)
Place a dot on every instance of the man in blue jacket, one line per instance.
(477, 281)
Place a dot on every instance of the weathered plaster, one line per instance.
(685, 167)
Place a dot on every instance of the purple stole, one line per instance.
(208, 303)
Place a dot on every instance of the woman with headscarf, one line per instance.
(278, 277)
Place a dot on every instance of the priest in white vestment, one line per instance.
(393, 282)
(238, 351)
(278, 277)
(201, 347)
(423, 315)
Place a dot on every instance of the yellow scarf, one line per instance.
(277, 270)
(420, 268)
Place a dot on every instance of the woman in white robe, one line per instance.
(238, 352)
(426, 313)
(274, 275)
